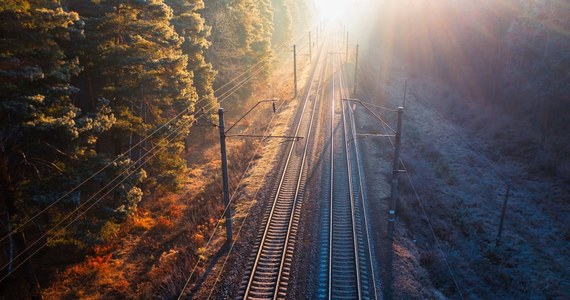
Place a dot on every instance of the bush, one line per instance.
(109, 231)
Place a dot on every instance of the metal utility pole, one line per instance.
(295, 68)
(225, 179)
(395, 173)
(405, 91)
(498, 240)
(355, 71)
(346, 46)
(310, 48)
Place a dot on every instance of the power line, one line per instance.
(266, 133)
(224, 96)
(478, 153)
(227, 93)
(432, 231)
(88, 208)
(438, 245)
(229, 203)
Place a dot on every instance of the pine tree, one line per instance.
(241, 37)
(135, 57)
(190, 25)
(43, 135)
(282, 22)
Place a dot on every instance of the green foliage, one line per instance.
(44, 135)
(83, 81)
(110, 230)
(282, 22)
(192, 28)
(241, 37)
(141, 63)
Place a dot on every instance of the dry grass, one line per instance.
(150, 254)
(463, 198)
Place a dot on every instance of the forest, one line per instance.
(109, 167)
(98, 103)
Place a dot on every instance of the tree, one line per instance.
(135, 57)
(43, 135)
(190, 25)
(241, 38)
(282, 22)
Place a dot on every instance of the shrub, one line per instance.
(143, 222)
(109, 231)
(164, 223)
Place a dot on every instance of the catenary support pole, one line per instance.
(295, 68)
(395, 173)
(225, 179)
(310, 48)
(346, 46)
(503, 212)
(355, 71)
(405, 92)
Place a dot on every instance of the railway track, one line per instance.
(345, 263)
(350, 272)
(270, 267)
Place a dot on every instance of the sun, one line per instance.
(333, 9)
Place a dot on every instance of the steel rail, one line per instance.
(273, 278)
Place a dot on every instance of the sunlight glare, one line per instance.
(333, 9)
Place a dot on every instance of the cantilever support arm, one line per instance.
(267, 136)
(365, 105)
(247, 113)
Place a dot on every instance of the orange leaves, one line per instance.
(176, 210)
(198, 238)
(98, 263)
(143, 222)
(164, 223)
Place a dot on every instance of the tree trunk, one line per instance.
(9, 198)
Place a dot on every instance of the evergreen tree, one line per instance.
(241, 37)
(135, 56)
(282, 23)
(43, 135)
(190, 25)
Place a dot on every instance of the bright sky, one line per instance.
(336, 8)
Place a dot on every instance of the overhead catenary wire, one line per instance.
(364, 208)
(88, 208)
(248, 210)
(477, 152)
(227, 206)
(226, 95)
(29, 246)
(19, 227)
(379, 118)
(424, 213)
(242, 178)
